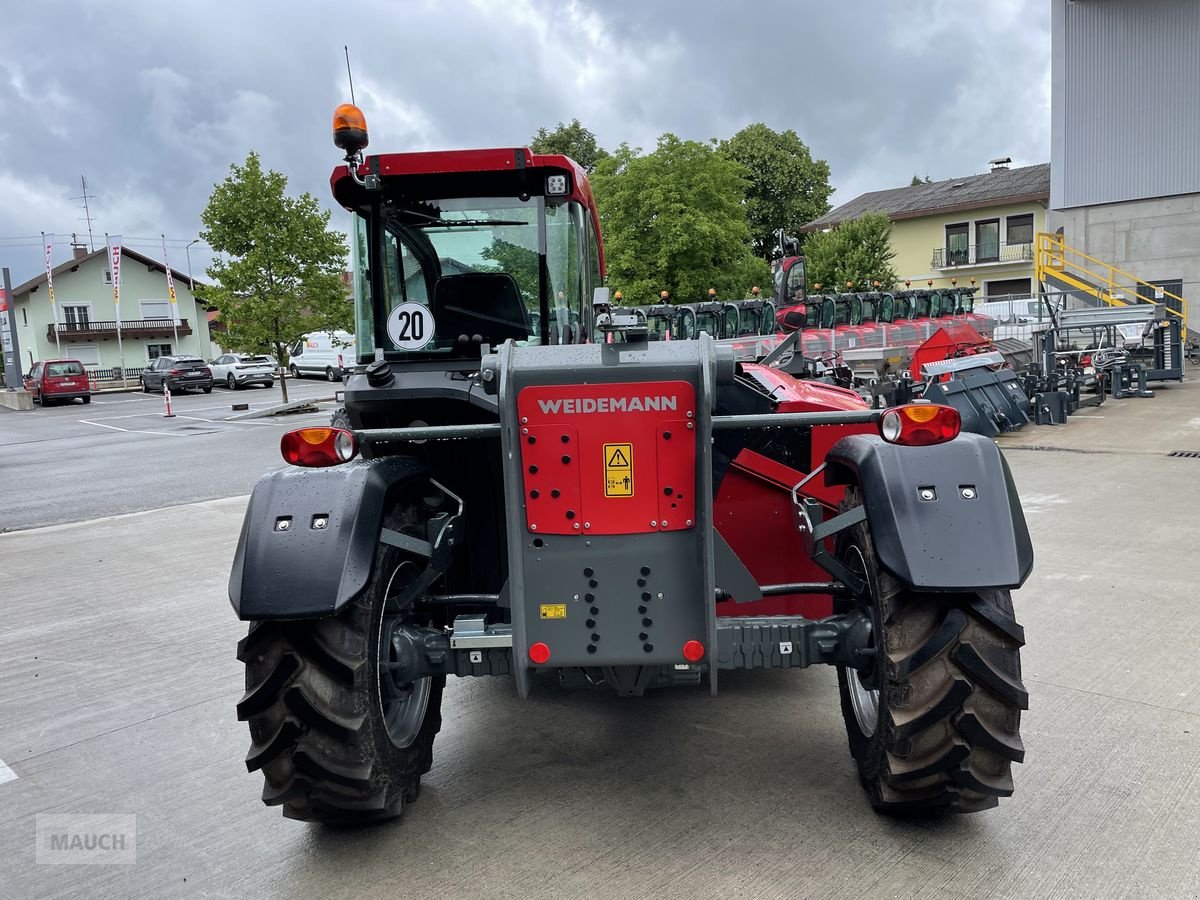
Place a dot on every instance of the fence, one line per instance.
(98, 376)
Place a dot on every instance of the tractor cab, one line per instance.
(662, 322)
(788, 273)
(877, 307)
(710, 317)
(755, 316)
(453, 251)
(841, 315)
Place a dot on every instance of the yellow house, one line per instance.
(975, 230)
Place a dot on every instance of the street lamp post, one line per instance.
(191, 281)
(192, 290)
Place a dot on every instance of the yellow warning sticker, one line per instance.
(618, 470)
(554, 610)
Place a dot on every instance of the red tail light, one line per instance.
(539, 653)
(340, 365)
(175, 372)
(316, 447)
(693, 651)
(920, 424)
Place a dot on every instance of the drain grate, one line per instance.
(1185, 454)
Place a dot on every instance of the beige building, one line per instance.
(975, 230)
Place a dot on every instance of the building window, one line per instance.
(987, 241)
(88, 354)
(76, 316)
(958, 251)
(156, 309)
(154, 351)
(1020, 229)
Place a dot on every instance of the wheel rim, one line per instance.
(229, 381)
(863, 700)
(403, 704)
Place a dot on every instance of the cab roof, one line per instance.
(516, 162)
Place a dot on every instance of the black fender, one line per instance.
(306, 569)
(972, 535)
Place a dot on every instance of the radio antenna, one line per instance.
(349, 74)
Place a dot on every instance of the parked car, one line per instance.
(327, 353)
(181, 373)
(56, 380)
(237, 370)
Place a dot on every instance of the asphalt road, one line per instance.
(119, 454)
(118, 684)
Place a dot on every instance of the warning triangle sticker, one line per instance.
(618, 460)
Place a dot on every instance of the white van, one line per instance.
(326, 353)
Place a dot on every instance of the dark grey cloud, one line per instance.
(154, 101)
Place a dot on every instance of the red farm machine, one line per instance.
(513, 497)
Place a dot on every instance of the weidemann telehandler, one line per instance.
(530, 486)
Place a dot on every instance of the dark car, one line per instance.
(181, 373)
(57, 380)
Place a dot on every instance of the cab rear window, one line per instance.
(63, 369)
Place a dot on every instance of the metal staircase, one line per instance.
(1061, 269)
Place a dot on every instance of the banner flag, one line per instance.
(114, 257)
(50, 276)
(170, 284)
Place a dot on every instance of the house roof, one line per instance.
(1022, 185)
(73, 264)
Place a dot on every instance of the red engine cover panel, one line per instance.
(611, 451)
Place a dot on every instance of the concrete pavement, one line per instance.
(118, 454)
(118, 683)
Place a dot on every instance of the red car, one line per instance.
(58, 379)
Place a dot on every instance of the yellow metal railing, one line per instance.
(1105, 282)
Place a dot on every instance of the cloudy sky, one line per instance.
(153, 101)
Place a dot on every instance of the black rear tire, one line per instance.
(946, 727)
(315, 704)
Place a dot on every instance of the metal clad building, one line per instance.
(1126, 100)
(1125, 136)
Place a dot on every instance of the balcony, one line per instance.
(130, 328)
(981, 254)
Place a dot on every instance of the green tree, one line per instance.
(859, 250)
(519, 262)
(571, 140)
(278, 270)
(787, 186)
(675, 219)
(918, 180)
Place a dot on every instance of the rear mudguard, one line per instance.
(970, 535)
(306, 569)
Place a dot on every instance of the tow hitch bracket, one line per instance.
(810, 522)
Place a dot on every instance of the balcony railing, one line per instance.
(130, 328)
(975, 254)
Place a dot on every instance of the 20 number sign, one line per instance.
(410, 326)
